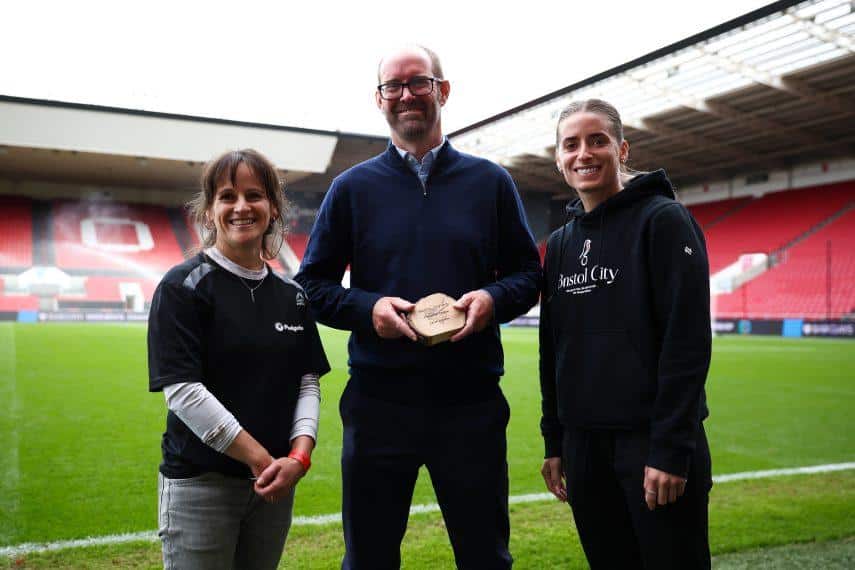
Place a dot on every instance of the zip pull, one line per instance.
(424, 171)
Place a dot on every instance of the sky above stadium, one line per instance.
(313, 63)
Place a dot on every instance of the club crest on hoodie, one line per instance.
(587, 278)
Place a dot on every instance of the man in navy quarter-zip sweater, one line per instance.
(418, 219)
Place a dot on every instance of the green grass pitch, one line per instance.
(80, 434)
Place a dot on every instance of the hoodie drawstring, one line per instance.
(562, 241)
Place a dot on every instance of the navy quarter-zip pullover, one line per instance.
(464, 229)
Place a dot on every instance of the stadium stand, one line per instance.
(769, 223)
(298, 243)
(803, 283)
(100, 288)
(710, 213)
(111, 293)
(117, 251)
(11, 302)
(16, 239)
(113, 253)
(185, 231)
(109, 235)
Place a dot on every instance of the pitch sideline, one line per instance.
(318, 520)
(10, 465)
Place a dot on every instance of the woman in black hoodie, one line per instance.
(624, 353)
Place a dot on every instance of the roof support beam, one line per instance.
(823, 33)
(772, 160)
(789, 85)
(678, 136)
(724, 111)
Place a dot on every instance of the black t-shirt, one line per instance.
(205, 327)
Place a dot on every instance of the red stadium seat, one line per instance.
(711, 212)
(797, 286)
(768, 223)
(298, 243)
(16, 239)
(97, 235)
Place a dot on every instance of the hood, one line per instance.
(640, 187)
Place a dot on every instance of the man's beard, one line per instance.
(413, 129)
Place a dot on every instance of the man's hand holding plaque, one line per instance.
(478, 306)
(436, 318)
(433, 319)
(388, 318)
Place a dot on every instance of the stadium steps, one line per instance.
(741, 204)
(775, 256)
(43, 250)
(178, 221)
(288, 259)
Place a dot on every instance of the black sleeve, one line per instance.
(328, 254)
(680, 273)
(550, 426)
(174, 337)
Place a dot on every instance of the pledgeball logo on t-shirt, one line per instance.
(282, 327)
(589, 278)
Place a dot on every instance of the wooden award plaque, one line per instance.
(435, 320)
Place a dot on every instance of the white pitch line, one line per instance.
(335, 518)
(781, 472)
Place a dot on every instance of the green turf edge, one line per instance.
(744, 517)
(775, 403)
(831, 555)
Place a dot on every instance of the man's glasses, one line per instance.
(417, 85)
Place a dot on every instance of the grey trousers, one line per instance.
(216, 522)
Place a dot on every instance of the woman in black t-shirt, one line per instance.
(236, 353)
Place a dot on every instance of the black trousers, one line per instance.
(605, 474)
(464, 448)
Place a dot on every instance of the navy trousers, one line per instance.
(464, 449)
(605, 473)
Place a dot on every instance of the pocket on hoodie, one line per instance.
(602, 382)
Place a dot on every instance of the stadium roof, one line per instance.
(90, 144)
(771, 89)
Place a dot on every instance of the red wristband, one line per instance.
(302, 457)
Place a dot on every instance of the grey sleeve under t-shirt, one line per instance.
(212, 423)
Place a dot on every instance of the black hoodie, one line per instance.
(625, 322)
